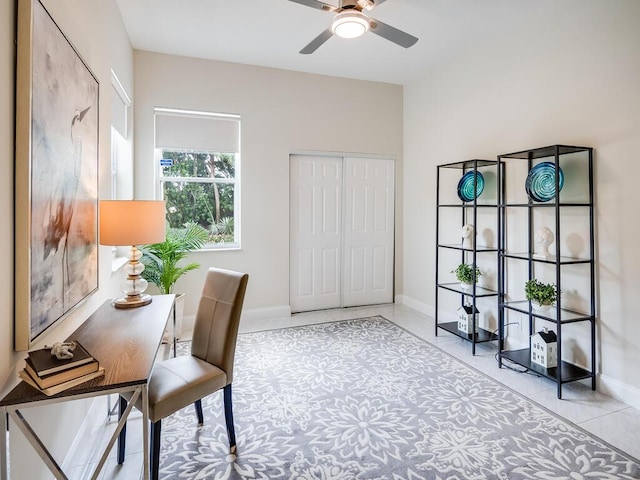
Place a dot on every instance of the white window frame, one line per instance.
(236, 181)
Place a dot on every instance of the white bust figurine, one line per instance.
(543, 238)
(468, 236)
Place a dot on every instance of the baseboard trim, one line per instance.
(249, 315)
(266, 313)
(416, 305)
(619, 390)
(95, 416)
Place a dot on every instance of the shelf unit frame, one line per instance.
(565, 372)
(476, 292)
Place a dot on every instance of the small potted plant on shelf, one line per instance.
(467, 275)
(542, 295)
(161, 261)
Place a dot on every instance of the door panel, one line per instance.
(315, 238)
(369, 232)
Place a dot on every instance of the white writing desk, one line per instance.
(125, 342)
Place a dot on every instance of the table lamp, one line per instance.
(132, 222)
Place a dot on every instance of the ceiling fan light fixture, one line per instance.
(350, 24)
(366, 4)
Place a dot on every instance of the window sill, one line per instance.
(225, 248)
(117, 263)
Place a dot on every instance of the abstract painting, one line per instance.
(56, 260)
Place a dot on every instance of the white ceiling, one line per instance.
(271, 32)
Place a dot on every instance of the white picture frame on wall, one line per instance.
(56, 176)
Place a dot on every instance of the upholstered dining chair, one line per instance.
(180, 381)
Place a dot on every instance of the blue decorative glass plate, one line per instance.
(465, 186)
(541, 182)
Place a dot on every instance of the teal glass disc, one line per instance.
(541, 182)
(465, 186)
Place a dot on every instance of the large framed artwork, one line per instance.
(56, 184)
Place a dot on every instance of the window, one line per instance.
(121, 158)
(197, 158)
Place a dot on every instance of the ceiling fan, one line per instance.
(351, 22)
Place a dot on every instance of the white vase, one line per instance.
(544, 309)
(179, 308)
(466, 286)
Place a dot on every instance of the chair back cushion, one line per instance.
(218, 317)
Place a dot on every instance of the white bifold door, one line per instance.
(342, 231)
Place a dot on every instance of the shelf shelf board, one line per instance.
(569, 372)
(566, 316)
(545, 205)
(480, 291)
(468, 164)
(564, 260)
(458, 246)
(481, 337)
(545, 152)
(468, 205)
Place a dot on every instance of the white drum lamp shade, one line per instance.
(132, 222)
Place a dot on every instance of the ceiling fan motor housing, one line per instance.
(349, 4)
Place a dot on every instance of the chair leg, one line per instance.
(198, 405)
(228, 416)
(122, 437)
(156, 427)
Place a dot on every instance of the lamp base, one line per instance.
(132, 301)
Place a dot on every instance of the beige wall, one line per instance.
(96, 30)
(282, 112)
(571, 80)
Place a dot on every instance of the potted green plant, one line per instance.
(467, 275)
(162, 261)
(542, 295)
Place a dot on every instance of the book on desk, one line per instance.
(51, 375)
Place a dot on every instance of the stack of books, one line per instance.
(50, 375)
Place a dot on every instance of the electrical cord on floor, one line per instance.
(509, 364)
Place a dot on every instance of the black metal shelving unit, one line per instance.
(468, 212)
(576, 162)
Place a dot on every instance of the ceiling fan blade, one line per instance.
(315, 4)
(378, 2)
(316, 42)
(391, 33)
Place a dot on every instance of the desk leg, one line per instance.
(4, 444)
(175, 334)
(145, 432)
(37, 444)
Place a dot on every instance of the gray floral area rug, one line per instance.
(365, 399)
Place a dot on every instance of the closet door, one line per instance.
(341, 232)
(368, 236)
(315, 232)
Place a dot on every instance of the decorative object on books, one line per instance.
(63, 350)
(541, 182)
(467, 275)
(132, 222)
(542, 295)
(543, 237)
(56, 176)
(468, 236)
(470, 186)
(44, 363)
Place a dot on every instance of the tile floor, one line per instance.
(609, 419)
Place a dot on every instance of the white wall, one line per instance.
(282, 112)
(96, 30)
(572, 78)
